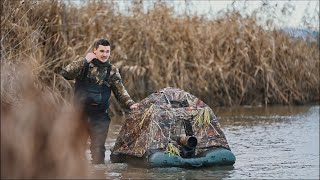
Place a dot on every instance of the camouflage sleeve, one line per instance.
(118, 89)
(72, 70)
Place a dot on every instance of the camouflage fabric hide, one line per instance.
(164, 114)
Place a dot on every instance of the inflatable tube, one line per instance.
(213, 157)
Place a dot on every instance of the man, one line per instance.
(95, 79)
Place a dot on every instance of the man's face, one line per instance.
(102, 53)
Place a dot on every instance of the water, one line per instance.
(280, 142)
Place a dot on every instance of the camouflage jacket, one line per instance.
(73, 71)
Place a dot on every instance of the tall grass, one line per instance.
(227, 61)
(41, 136)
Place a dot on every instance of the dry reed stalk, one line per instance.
(41, 136)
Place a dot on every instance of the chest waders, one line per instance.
(94, 99)
(91, 95)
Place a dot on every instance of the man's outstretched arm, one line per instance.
(119, 90)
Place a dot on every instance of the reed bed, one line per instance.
(41, 135)
(227, 61)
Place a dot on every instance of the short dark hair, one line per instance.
(103, 42)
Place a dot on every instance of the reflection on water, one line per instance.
(282, 142)
(273, 142)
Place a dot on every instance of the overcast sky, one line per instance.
(298, 9)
